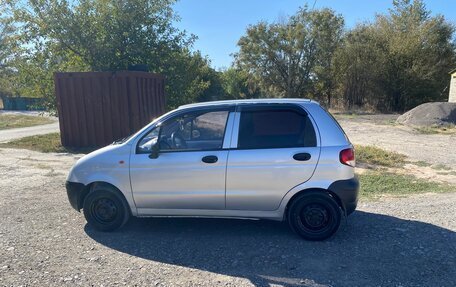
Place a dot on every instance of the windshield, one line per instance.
(154, 121)
(122, 140)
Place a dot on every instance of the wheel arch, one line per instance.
(313, 189)
(95, 184)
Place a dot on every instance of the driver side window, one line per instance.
(200, 130)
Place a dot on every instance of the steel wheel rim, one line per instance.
(315, 217)
(104, 210)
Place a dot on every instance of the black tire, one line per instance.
(314, 215)
(105, 209)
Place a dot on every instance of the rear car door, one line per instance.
(274, 148)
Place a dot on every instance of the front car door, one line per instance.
(274, 148)
(190, 170)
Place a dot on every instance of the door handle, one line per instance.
(302, 156)
(210, 159)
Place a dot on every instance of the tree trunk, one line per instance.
(329, 98)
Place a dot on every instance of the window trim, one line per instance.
(228, 108)
(235, 132)
(279, 106)
(262, 107)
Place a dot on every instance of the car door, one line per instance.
(190, 170)
(274, 148)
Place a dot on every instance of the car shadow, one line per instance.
(369, 250)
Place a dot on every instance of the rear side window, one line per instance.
(275, 128)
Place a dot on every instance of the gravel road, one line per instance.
(408, 241)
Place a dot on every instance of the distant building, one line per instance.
(452, 97)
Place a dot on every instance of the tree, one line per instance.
(106, 35)
(358, 63)
(191, 79)
(6, 73)
(328, 39)
(236, 84)
(420, 54)
(281, 57)
(399, 61)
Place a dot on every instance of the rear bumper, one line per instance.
(347, 191)
(75, 192)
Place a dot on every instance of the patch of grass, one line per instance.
(44, 143)
(346, 116)
(377, 156)
(447, 130)
(375, 184)
(440, 166)
(421, 163)
(390, 122)
(446, 173)
(11, 121)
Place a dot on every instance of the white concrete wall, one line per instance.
(452, 97)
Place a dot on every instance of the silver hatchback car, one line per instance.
(278, 159)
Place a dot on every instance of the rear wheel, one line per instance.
(314, 215)
(105, 209)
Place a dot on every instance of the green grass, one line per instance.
(440, 166)
(446, 173)
(377, 156)
(43, 143)
(375, 184)
(390, 122)
(447, 130)
(11, 121)
(421, 163)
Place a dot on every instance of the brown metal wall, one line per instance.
(96, 108)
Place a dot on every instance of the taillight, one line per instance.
(347, 156)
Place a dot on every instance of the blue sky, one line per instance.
(220, 23)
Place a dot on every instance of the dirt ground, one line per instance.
(437, 151)
(407, 241)
(378, 130)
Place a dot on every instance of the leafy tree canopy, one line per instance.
(399, 61)
(282, 57)
(105, 35)
(394, 63)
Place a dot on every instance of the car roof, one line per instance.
(250, 101)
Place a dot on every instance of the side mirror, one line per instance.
(155, 151)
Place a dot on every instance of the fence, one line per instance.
(21, 104)
(96, 108)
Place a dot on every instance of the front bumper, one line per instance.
(76, 192)
(347, 190)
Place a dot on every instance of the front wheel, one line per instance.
(314, 215)
(104, 209)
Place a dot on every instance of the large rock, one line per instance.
(430, 114)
